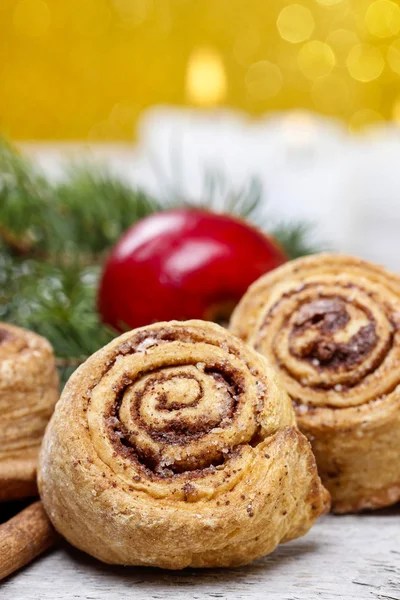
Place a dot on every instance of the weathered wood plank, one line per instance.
(349, 557)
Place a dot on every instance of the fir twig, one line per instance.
(297, 239)
(98, 208)
(53, 238)
(60, 304)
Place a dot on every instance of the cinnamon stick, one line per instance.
(24, 537)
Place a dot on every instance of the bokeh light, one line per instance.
(131, 13)
(396, 110)
(365, 62)
(383, 18)
(393, 56)
(263, 80)
(89, 68)
(295, 23)
(329, 2)
(316, 59)
(365, 117)
(205, 78)
(342, 41)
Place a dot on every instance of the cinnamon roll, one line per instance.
(329, 324)
(28, 393)
(175, 446)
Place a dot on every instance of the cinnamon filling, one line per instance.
(163, 419)
(168, 398)
(318, 335)
(328, 316)
(5, 335)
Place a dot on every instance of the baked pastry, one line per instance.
(330, 324)
(28, 393)
(174, 446)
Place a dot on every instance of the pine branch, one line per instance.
(245, 202)
(58, 302)
(80, 218)
(75, 220)
(53, 238)
(98, 208)
(297, 239)
(28, 215)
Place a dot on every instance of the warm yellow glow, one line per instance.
(365, 62)
(132, 13)
(364, 118)
(31, 18)
(295, 23)
(316, 59)
(331, 94)
(396, 110)
(94, 21)
(246, 45)
(383, 18)
(329, 2)
(205, 78)
(342, 41)
(263, 80)
(393, 56)
(78, 69)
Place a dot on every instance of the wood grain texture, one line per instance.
(354, 557)
(24, 537)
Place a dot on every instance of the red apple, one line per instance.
(183, 264)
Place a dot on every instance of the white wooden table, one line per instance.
(349, 557)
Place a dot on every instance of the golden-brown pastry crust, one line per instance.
(28, 393)
(330, 324)
(174, 446)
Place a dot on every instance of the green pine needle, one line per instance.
(296, 239)
(54, 237)
(98, 208)
(59, 303)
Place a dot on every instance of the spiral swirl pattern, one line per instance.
(171, 406)
(28, 393)
(173, 416)
(330, 325)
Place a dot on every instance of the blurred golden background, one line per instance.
(87, 69)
